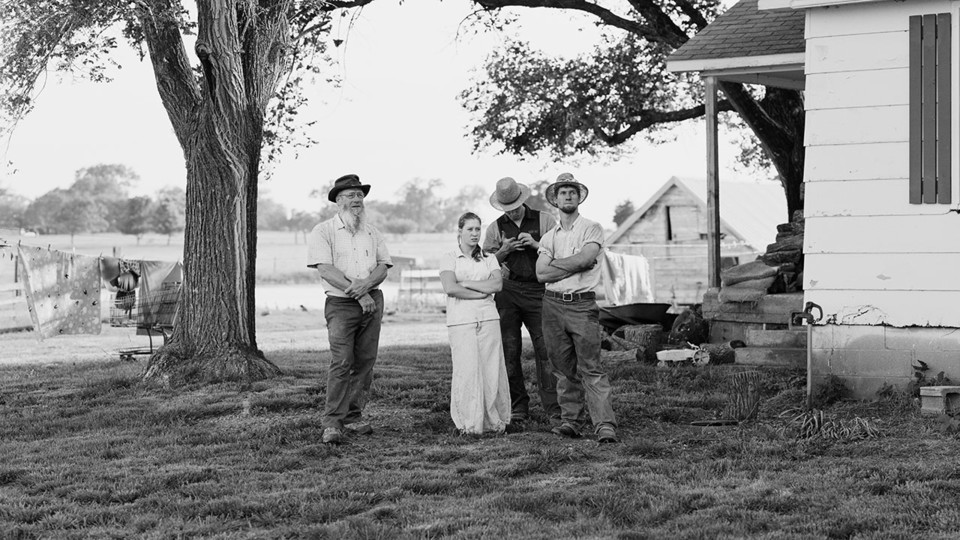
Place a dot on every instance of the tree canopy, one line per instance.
(527, 103)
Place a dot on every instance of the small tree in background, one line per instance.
(79, 214)
(40, 214)
(137, 217)
(169, 212)
(108, 186)
(302, 222)
(400, 226)
(623, 211)
(13, 209)
(271, 215)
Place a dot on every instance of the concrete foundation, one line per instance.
(869, 357)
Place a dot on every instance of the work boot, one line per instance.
(332, 435)
(360, 428)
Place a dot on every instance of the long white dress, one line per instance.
(479, 391)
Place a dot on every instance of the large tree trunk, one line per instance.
(220, 128)
(215, 337)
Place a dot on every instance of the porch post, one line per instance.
(713, 184)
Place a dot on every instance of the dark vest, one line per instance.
(522, 263)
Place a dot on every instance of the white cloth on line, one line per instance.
(626, 279)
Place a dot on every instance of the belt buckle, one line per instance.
(566, 297)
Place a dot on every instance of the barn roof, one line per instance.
(750, 209)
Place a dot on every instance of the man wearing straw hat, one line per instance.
(567, 263)
(514, 239)
(352, 259)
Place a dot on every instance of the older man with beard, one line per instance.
(568, 265)
(353, 260)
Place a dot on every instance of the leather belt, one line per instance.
(570, 297)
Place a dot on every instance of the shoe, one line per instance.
(514, 427)
(566, 429)
(518, 417)
(606, 434)
(332, 435)
(360, 428)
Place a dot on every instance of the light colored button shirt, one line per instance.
(462, 310)
(560, 243)
(356, 255)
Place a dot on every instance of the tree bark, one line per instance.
(220, 127)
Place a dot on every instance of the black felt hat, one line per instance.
(349, 181)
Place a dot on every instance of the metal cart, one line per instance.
(152, 314)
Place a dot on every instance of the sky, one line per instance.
(394, 118)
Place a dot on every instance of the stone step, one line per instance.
(780, 339)
(769, 356)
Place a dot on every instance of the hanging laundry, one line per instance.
(159, 293)
(63, 291)
(626, 278)
(121, 278)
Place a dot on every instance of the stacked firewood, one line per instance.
(787, 254)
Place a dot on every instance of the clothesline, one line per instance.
(63, 289)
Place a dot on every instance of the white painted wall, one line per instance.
(871, 257)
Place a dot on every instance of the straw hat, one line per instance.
(509, 194)
(565, 179)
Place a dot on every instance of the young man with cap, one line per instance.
(568, 259)
(352, 259)
(514, 239)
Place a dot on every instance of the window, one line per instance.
(930, 109)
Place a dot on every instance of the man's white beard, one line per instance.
(353, 218)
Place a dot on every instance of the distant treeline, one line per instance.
(99, 200)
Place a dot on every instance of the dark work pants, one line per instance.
(521, 303)
(354, 340)
(572, 332)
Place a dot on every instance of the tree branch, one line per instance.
(667, 31)
(605, 15)
(176, 82)
(646, 118)
(692, 13)
(770, 133)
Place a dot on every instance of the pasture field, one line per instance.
(281, 255)
(86, 450)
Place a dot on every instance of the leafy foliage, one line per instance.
(530, 103)
(170, 211)
(137, 215)
(12, 210)
(623, 211)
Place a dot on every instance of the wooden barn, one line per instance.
(670, 230)
(881, 243)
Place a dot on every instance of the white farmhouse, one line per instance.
(882, 206)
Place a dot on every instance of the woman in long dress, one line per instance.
(479, 392)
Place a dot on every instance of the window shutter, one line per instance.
(930, 136)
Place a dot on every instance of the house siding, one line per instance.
(882, 269)
(867, 248)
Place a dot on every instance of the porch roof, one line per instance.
(748, 45)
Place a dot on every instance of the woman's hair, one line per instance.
(477, 252)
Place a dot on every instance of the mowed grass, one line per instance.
(87, 451)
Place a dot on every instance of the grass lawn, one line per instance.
(85, 451)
